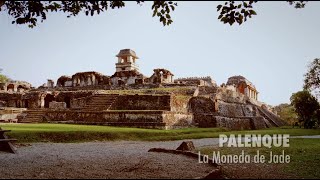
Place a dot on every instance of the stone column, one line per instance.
(42, 102)
(15, 88)
(129, 59)
(89, 81)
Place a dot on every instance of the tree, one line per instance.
(3, 78)
(287, 113)
(307, 108)
(29, 12)
(312, 77)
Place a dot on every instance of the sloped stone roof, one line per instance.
(239, 79)
(132, 73)
(127, 52)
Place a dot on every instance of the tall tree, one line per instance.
(287, 113)
(30, 12)
(312, 77)
(306, 106)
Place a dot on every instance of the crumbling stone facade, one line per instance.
(84, 98)
(242, 85)
(161, 76)
(200, 81)
(15, 86)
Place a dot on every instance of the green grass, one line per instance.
(304, 156)
(83, 133)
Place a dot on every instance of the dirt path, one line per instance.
(121, 159)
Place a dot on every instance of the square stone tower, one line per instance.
(126, 61)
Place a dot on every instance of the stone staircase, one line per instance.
(272, 120)
(101, 102)
(33, 116)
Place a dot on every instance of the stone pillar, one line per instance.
(129, 59)
(42, 102)
(119, 59)
(50, 83)
(15, 88)
(89, 83)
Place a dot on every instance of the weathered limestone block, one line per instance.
(258, 122)
(142, 102)
(177, 120)
(234, 123)
(230, 110)
(201, 105)
(186, 146)
(180, 103)
(57, 105)
(248, 110)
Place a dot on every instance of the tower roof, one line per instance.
(238, 79)
(127, 52)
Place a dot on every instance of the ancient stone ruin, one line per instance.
(129, 98)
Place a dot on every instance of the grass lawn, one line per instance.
(84, 133)
(304, 160)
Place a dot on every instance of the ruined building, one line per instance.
(128, 98)
(242, 85)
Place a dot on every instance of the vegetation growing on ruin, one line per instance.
(164, 90)
(3, 78)
(85, 133)
(304, 156)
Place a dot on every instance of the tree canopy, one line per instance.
(312, 77)
(287, 113)
(30, 12)
(307, 108)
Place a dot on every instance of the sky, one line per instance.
(272, 49)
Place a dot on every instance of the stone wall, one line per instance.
(175, 120)
(142, 102)
(239, 123)
(180, 103)
(229, 96)
(57, 105)
(200, 105)
(230, 109)
(147, 119)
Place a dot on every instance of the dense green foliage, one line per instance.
(287, 113)
(307, 108)
(29, 12)
(312, 77)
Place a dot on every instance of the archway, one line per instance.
(67, 101)
(26, 103)
(49, 98)
(10, 87)
(20, 88)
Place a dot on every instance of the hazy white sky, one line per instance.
(272, 50)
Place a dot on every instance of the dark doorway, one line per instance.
(10, 86)
(26, 103)
(20, 88)
(49, 98)
(67, 101)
